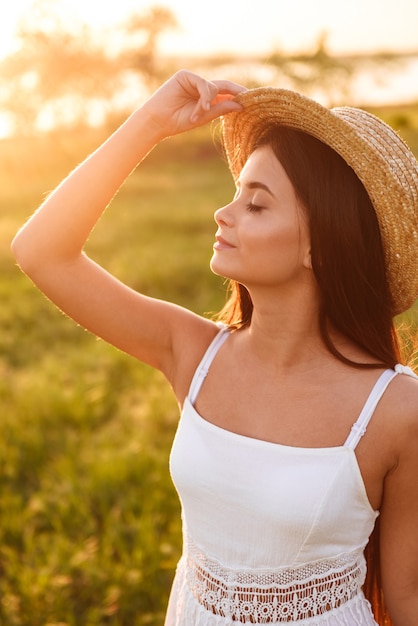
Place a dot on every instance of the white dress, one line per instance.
(271, 533)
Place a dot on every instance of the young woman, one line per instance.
(280, 483)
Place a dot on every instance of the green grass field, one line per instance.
(89, 520)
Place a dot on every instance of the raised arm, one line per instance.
(49, 247)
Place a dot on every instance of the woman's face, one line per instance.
(262, 238)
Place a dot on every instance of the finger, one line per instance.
(213, 93)
(223, 97)
(225, 106)
(228, 86)
(208, 92)
(217, 109)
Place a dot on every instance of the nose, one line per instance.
(223, 216)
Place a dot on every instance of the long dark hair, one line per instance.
(349, 267)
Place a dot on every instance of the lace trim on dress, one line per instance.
(274, 596)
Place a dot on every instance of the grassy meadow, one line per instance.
(89, 520)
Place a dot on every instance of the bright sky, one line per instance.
(251, 25)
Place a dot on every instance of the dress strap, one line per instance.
(204, 365)
(404, 369)
(359, 428)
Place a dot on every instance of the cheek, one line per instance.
(280, 252)
(280, 238)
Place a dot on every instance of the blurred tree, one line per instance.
(65, 72)
(55, 72)
(330, 75)
(61, 74)
(141, 45)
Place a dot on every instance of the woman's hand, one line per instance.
(187, 100)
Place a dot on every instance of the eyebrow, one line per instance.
(258, 185)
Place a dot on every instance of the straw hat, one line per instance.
(379, 157)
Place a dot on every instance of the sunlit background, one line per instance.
(90, 528)
(248, 25)
(364, 51)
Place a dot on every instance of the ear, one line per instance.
(307, 260)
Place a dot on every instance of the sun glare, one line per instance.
(244, 25)
(239, 27)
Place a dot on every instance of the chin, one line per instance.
(214, 266)
(218, 269)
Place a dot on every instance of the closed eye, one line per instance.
(254, 208)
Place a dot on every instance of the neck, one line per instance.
(286, 334)
(286, 344)
(286, 329)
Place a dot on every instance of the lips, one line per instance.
(222, 244)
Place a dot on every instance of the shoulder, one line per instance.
(401, 410)
(394, 428)
(403, 393)
(189, 348)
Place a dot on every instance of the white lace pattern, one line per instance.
(274, 596)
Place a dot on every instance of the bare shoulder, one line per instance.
(402, 411)
(191, 341)
(403, 401)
